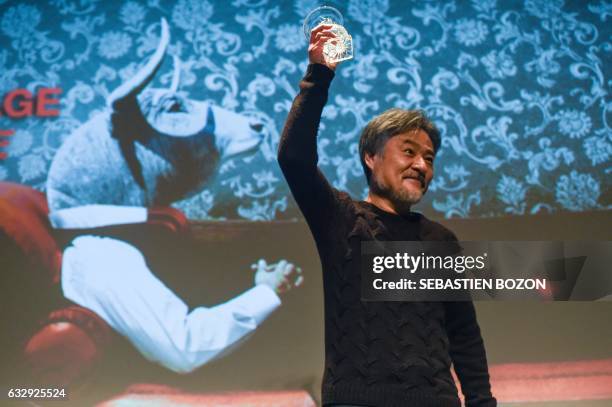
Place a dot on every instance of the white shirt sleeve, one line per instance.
(111, 278)
(91, 216)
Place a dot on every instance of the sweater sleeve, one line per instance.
(468, 354)
(297, 152)
(467, 349)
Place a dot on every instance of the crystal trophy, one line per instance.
(335, 49)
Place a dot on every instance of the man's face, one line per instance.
(402, 171)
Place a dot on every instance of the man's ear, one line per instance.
(369, 160)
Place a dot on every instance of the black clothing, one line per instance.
(391, 354)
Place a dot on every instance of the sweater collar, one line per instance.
(411, 216)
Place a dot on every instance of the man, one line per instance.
(379, 354)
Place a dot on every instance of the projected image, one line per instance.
(518, 90)
(151, 147)
(92, 308)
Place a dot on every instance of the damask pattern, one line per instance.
(520, 91)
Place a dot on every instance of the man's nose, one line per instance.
(418, 163)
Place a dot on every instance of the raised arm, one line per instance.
(297, 152)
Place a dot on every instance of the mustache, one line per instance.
(418, 176)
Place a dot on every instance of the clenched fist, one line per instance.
(318, 37)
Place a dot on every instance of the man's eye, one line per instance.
(409, 151)
(429, 160)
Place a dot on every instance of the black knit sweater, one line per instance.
(391, 354)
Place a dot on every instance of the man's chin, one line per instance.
(404, 196)
(408, 196)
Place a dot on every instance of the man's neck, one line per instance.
(386, 204)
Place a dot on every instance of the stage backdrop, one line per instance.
(519, 89)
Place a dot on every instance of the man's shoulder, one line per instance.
(344, 197)
(345, 203)
(433, 230)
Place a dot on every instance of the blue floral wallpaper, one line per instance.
(520, 90)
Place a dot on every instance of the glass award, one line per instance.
(335, 49)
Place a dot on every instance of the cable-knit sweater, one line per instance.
(383, 354)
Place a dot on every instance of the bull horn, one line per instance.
(176, 75)
(134, 86)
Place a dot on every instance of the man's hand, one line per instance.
(280, 277)
(318, 37)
